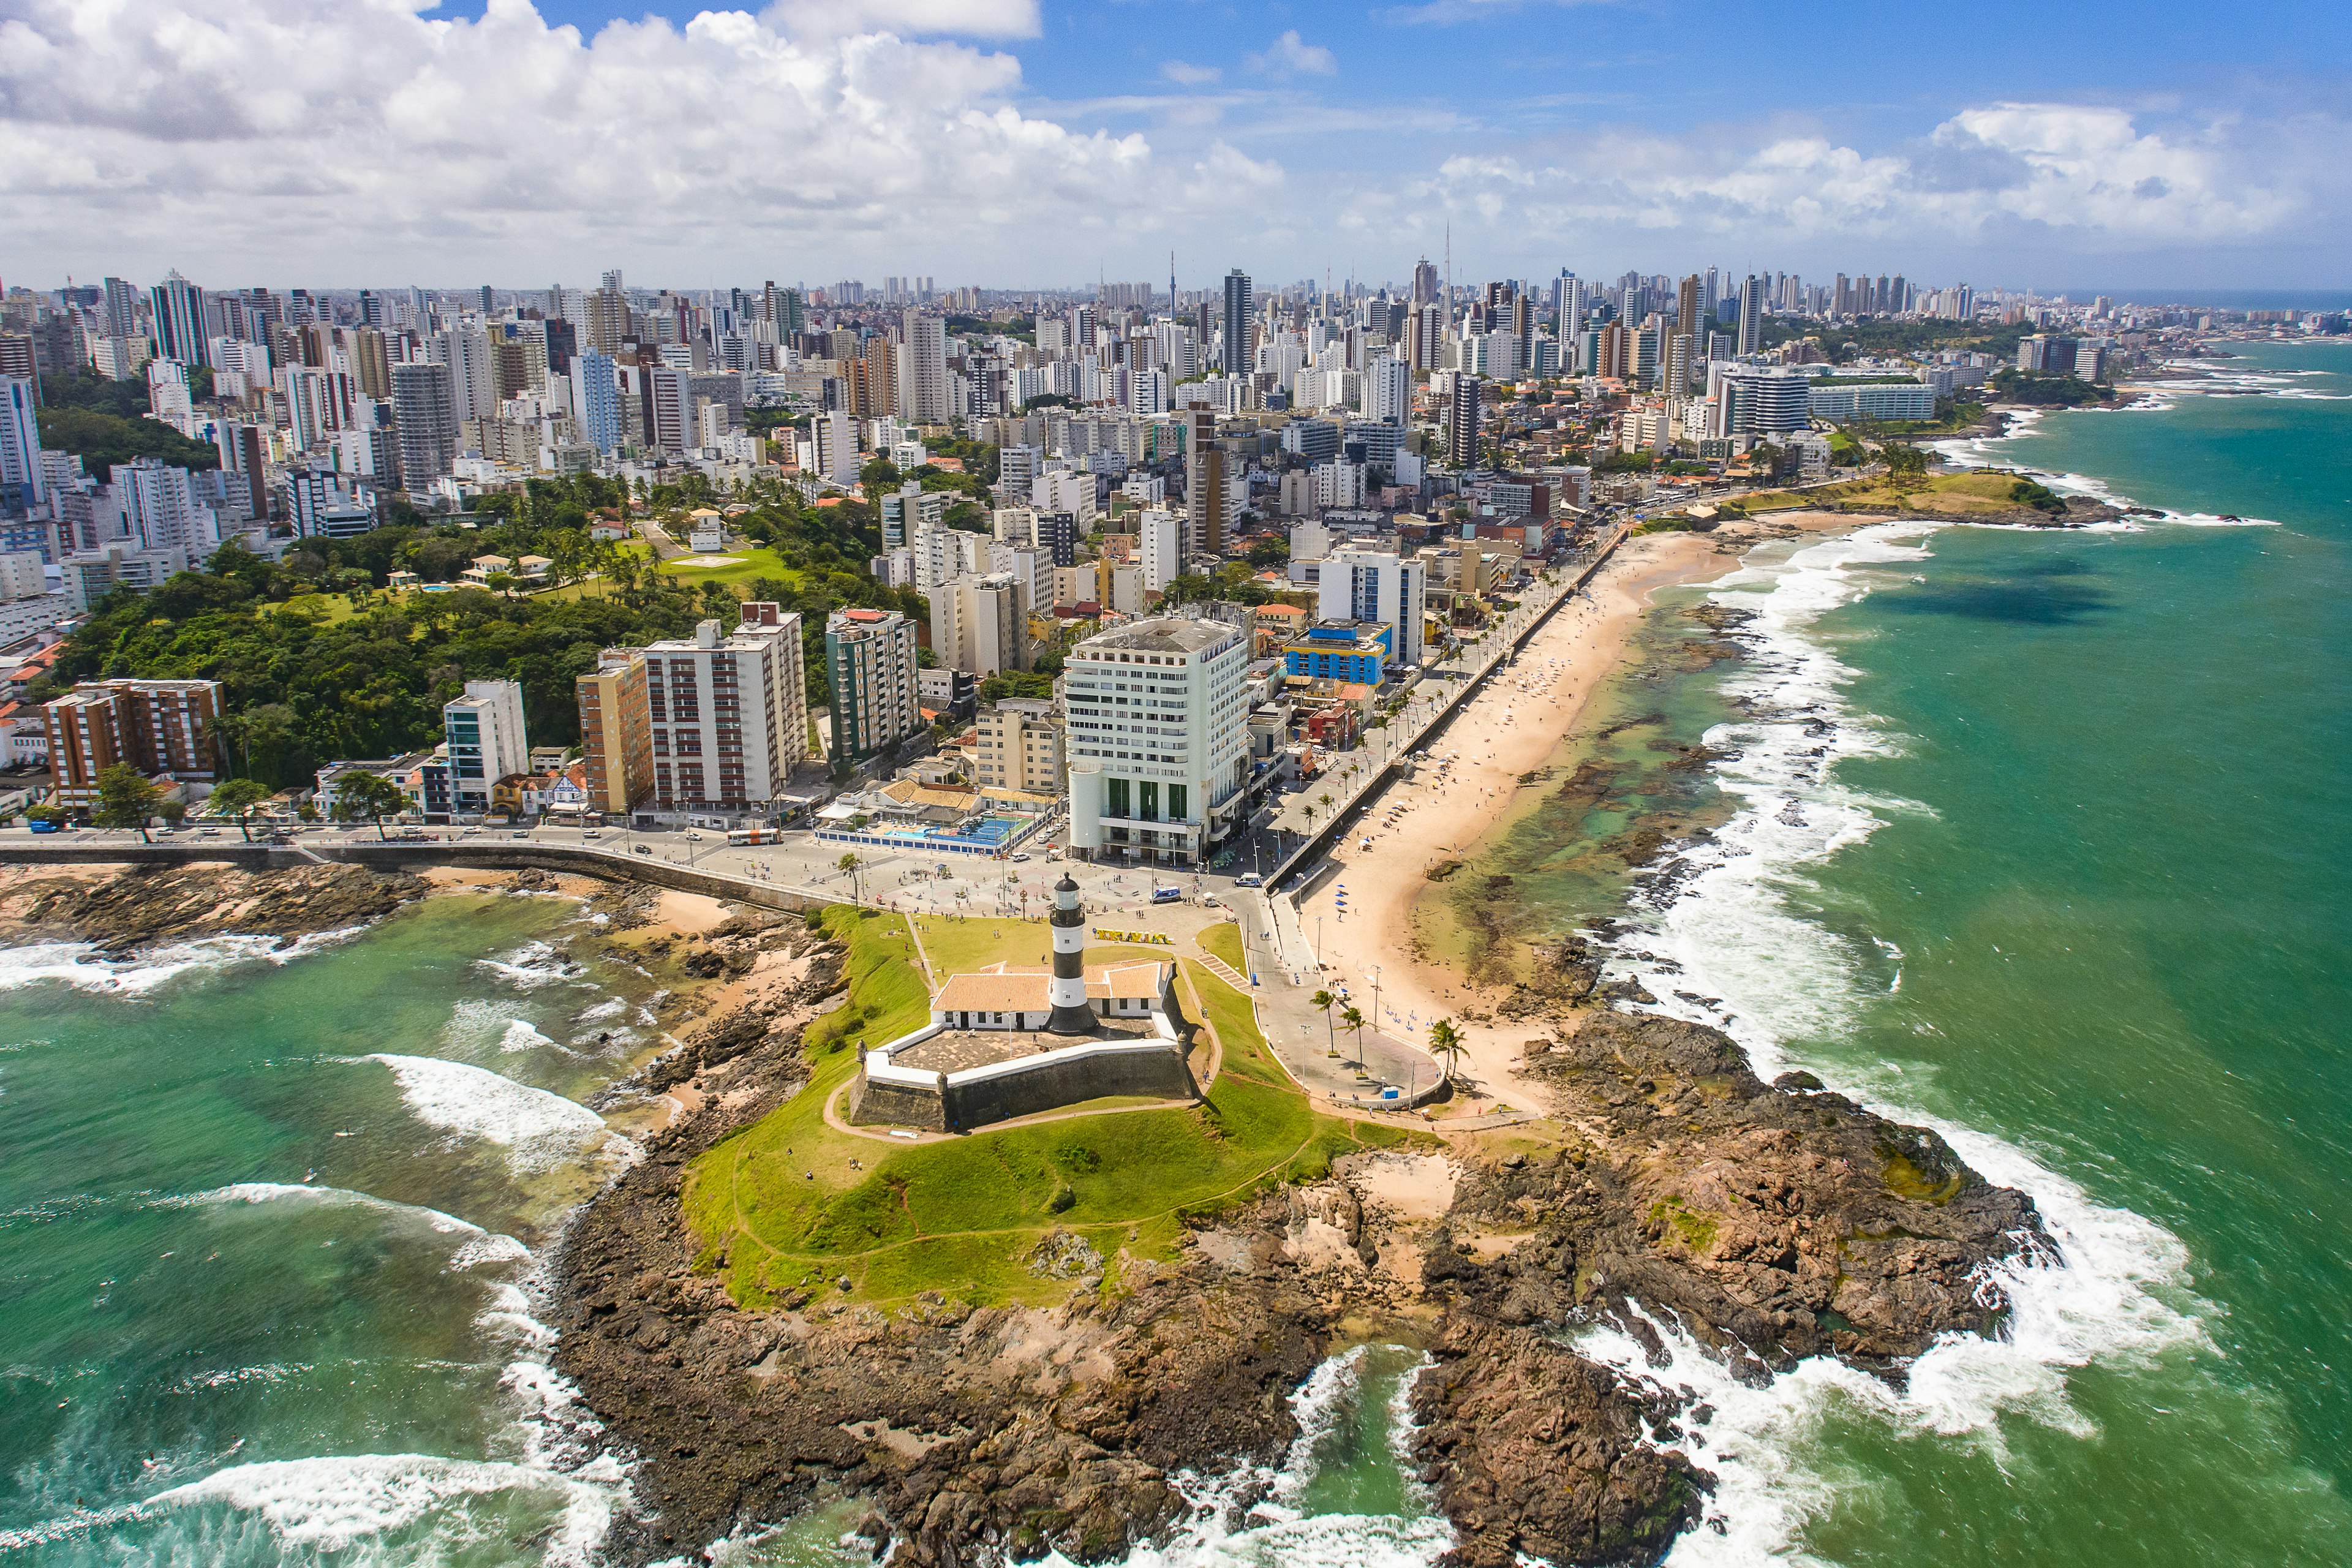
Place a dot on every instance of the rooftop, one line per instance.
(1166, 634)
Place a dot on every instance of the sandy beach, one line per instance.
(1448, 811)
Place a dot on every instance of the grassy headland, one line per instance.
(791, 1204)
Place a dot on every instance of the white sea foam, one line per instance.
(1724, 918)
(531, 966)
(520, 1036)
(538, 1129)
(324, 1197)
(77, 963)
(331, 1505)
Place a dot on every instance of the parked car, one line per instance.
(1249, 880)
(1020, 854)
(1166, 895)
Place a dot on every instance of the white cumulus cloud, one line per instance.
(1290, 55)
(343, 140)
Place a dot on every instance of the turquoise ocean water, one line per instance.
(2041, 836)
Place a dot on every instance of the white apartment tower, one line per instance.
(923, 390)
(484, 730)
(1158, 740)
(729, 712)
(1161, 538)
(1373, 585)
(980, 624)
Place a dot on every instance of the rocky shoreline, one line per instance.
(120, 909)
(1772, 1221)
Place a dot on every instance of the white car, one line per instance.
(1019, 856)
(1249, 880)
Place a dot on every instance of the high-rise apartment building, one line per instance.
(161, 507)
(1751, 316)
(1239, 304)
(1388, 391)
(1205, 500)
(487, 742)
(869, 658)
(425, 410)
(728, 712)
(1020, 746)
(980, 623)
(1462, 415)
(155, 726)
(1161, 547)
(21, 487)
(1158, 740)
(1373, 585)
(179, 315)
(596, 393)
(616, 743)
(923, 394)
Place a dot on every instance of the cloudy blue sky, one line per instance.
(1012, 142)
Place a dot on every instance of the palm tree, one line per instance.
(1326, 1001)
(1445, 1044)
(850, 863)
(1353, 1017)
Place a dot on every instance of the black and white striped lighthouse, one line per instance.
(1069, 990)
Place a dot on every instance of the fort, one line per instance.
(1012, 1041)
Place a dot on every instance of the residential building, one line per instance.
(1207, 510)
(1768, 400)
(909, 512)
(484, 730)
(1751, 316)
(1063, 491)
(596, 392)
(1461, 413)
(21, 487)
(426, 413)
(1238, 307)
(869, 658)
(1387, 395)
(1020, 746)
(1843, 403)
(980, 624)
(728, 712)
(1158, 739)
(155, 726)
(1163, 548)
(159, 506)
(179, 319)
(1373, 585)
(616, 732)
(924, 396)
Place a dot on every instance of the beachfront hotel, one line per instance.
(1158, 739)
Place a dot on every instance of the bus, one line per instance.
(738, 836)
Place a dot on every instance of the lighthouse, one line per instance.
(1069, 990)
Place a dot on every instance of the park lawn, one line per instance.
(1224, 939)
(752, 560)
(1942, 493)
(964, 944)
(322, 609)
(780, 1205)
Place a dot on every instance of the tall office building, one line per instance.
(484, 730)
(1239, 304)
(923, 394)
(870, 658)
(425, 410)
(616, 745)
(1751, 316)
(179, 310)
(1462, 415)
(1158, 739)
(729, 712)
(1424, 281)
(1205, 503)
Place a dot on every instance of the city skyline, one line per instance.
(308, 144)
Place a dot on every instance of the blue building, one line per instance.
(597, 393)
(1353, 651)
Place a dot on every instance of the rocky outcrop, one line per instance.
(1771, 1222)
(144, 904)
